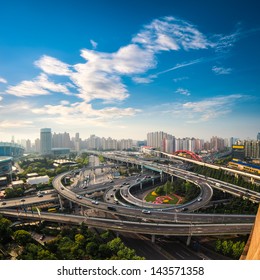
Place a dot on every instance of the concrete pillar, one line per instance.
(171, 178)
(188, 240)
(252, 180)
(153, 238)
(161, 175)
(70, 204)
(61, 206)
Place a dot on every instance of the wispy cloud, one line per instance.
(93, 44)
(176, 80)
(169, 33)
(200, 111)
(211, 108)
(15, 124)
(142, 80)
(180, 65)
(2, 80)
(183, 91)
(221, 70)
(39, 86)
(83, 112)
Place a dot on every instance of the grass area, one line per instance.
(152, 198)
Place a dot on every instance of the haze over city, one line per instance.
(121, 70)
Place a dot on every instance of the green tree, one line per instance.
(5, 230)
(218, 245)
(80, 240)
(92, 248)
(22, 237)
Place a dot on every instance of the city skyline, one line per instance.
(189, 69)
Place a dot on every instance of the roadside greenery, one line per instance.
(69, 243)
(224, 176)
(230, 248)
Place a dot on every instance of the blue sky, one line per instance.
(126, 68)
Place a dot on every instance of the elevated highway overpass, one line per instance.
(136, 227)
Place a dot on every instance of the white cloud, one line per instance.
(210, 108)
(93, 44)
(169, 33)
(142, 80)
(183, 91)
(39, 86)
(221, 70)
(15, 124)
(180, 65)
(53, 66)
(180, 79)
(224, 43)
(202, 111)
(82, 113)
(2, 80)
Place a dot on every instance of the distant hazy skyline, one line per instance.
(122, 69)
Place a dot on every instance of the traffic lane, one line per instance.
(177, 250)
(27, 200)
(143, 247)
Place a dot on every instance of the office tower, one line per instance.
(46, 141)
(258, 136)
(77, 141)
(37, 145)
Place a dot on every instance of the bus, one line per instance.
(52, 210)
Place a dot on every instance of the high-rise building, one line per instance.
(46, 141)
(258, 136)
(37, 145)
(252, 149)
(157, 139)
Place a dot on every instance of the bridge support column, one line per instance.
(117, 234)
(60, 201)
(153, 238)
(252, 180)
(188, 240)
(172, 179)
(142, 169)
(161, 175)
(70, 204)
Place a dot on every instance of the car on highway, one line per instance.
(94, 202)
(184, 209)
(111, 208)
(78, 196)
(40, 194)
(4, 203)
(199, 199)
(22, 200)
(146, 211)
